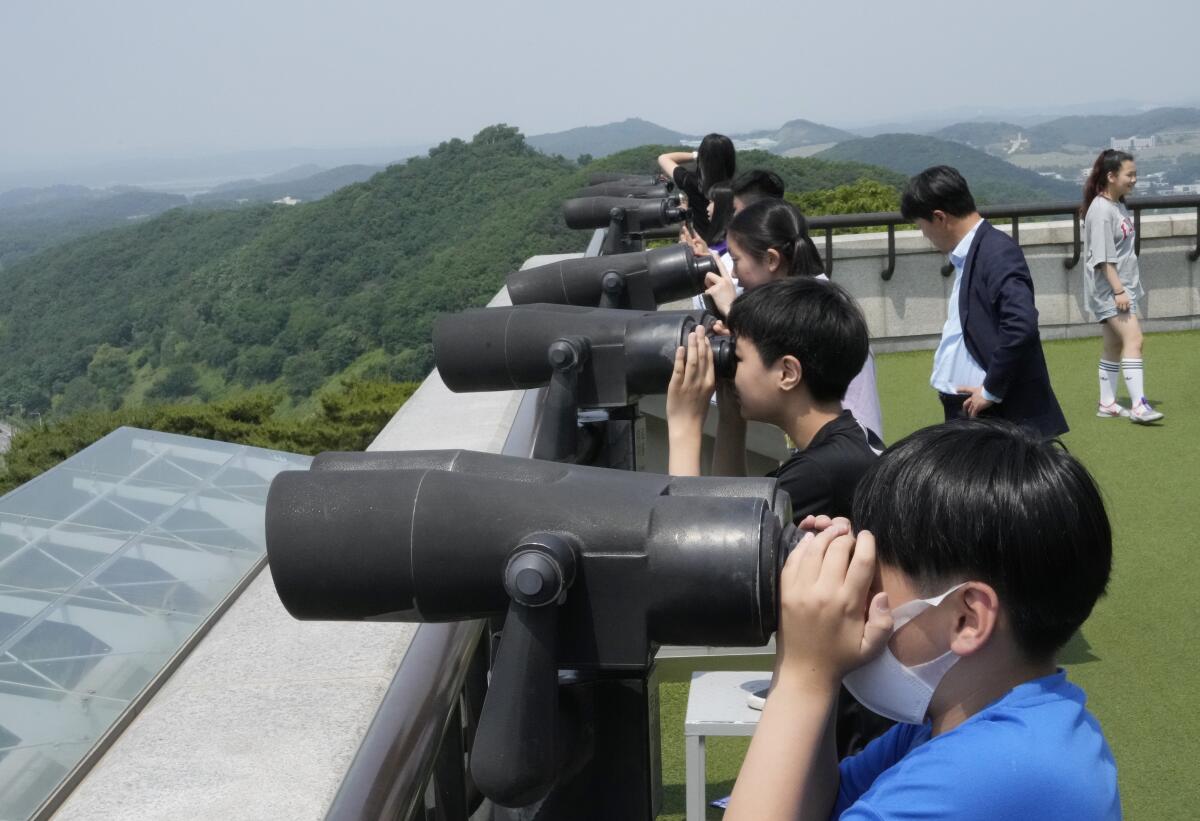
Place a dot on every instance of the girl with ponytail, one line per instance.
(1112, 283)
(769, 240)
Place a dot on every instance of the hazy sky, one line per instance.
(89, 78)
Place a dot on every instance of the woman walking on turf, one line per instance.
(1112, 284)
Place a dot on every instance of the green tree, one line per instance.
(861, 197)
(80, 394)
(179, 380)
(303, 373)
(339, 347)
(110, 372)
(258, 364)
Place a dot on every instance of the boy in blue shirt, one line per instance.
(980, 551)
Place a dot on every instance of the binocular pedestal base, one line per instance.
(616, 767)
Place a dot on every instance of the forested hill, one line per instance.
(205, 300)
(197, 304)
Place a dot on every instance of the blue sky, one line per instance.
(89, 79)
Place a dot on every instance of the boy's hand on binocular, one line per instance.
(826, 628)
(692, 382)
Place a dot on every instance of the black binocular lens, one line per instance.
(724, 361)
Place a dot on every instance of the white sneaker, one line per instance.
(1143, 413)
(1111, 411)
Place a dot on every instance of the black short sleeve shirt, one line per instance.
(822, 477)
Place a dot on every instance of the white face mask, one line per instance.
(894, 690)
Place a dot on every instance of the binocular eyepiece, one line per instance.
(641, 279)
(632, 215)
(621, 355)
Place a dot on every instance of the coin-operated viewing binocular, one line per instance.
(618, 188)
(640, 180)
(591, 568)
(641, 279)
(619, 355)
(626, 218)
(588, 358)
(635, 215)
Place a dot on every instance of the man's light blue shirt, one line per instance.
(953, 365)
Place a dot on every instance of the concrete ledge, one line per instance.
(258, 722)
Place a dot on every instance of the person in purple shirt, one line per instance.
(980, 550)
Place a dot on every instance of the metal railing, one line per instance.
(891, 219)
(411, 763)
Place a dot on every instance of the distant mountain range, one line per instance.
(602, 140)
(992, 180)
(191, 173)
(1090, 132)
(308, 188)
(1071, 133)
(299, 172)
(33, 219)
(796, 134)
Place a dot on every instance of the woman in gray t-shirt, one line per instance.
(1112, 283)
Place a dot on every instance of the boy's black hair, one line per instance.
(758, 184)
(811, 319)
(940, 188)
(984, 500)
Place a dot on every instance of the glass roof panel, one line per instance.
(109, 563)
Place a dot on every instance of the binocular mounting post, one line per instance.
(555, 744)
(617, 241)
(516, 760)
(556, 437)
(635, 292)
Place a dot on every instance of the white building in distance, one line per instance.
(1133, 143)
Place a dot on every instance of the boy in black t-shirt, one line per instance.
(798, 342)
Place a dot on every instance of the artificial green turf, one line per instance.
(1137, 656)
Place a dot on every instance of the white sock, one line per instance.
(1108, 381)
(1132, 371)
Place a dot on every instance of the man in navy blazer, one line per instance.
(989, 360)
